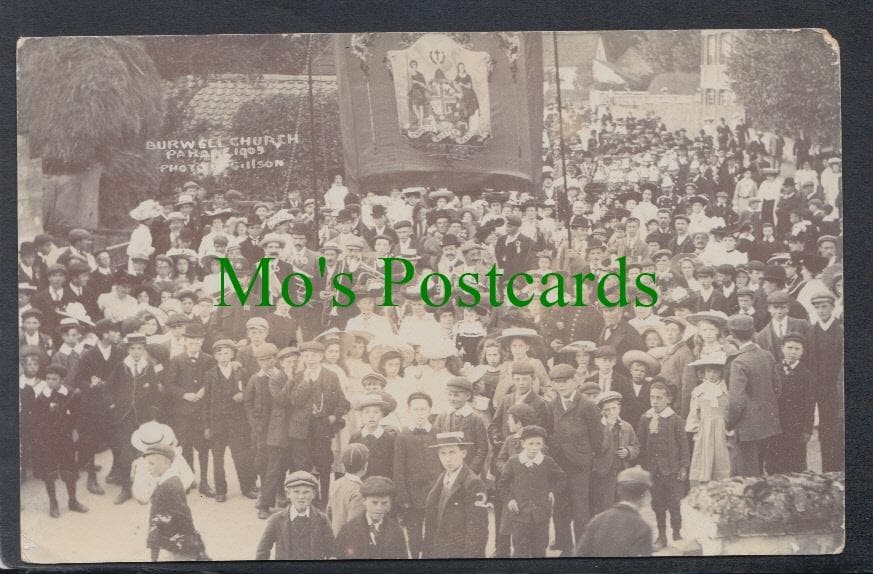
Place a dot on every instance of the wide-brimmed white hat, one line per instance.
(719, 359)
(146, 210)
(150, 434)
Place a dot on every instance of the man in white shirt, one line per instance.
(367, 321)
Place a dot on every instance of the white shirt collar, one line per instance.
(24, 381)
(464, 411)
(32, 339)
(168, 474)
(353, 477)
(450, 477)
(133, 365)
(292, 513)
(825, 325)
(227, 370)
(426, 427)
(521, 398)
(376, 433)
(665, 414)
(62, 390)
(535, 461)
(568, 400)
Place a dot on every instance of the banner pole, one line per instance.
(561, 135)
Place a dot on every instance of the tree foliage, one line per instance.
(788, 80)
(672, 50)
(83, 99)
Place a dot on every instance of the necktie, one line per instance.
(374, 532)
(779, 330)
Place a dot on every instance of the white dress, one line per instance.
(710, 459)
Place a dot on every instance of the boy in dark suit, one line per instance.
(522, 378)
(54, 412)
(577, 438)
(456, 511)
(464, 418)
(171, 528)
(620, 449)
(641, 366)
(300, 532)
(377, 438)
(621, 531)
(416, 467)
(225, 421)
(186, 385)
(373, 534)
(664, 453)
(528, 484)
(787, 453)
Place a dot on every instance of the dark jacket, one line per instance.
(796, 403)
(136, 399)
(327, 399)
(170, 524)
(619, 531)
(766, 338)
(623, 337)
(53, 417)
(530, 488)
(312, 540)
(187, 375)
(577, 435)
(632, 405)
(498, 430)
(456, 525)
(753, 383)
(381, 461)
(666, 452)
(354, 541)
(260, 404)
(473, 427)
(222, 415)
(416, 466)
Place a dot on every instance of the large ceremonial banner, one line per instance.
(456, 110)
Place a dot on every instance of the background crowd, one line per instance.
(542, 408)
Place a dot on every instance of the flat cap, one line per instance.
(56, 369)
(778, 298)
(741, 324)
(314, 346)
(603, 398)
(301, 478)
(533, 431)
(287, 352)
(176, 319)
(377, 486)
(513, 220)
(561, 372)
(223, 343)
(374, 376)
(78, 235)
(634, 475)
(745, 292)
(29, 350)
(822, 295)
(265, 351)
(522, 368)
(589, 386)
(195, 330)
(257, 323)
(460, 384)
(371, 400)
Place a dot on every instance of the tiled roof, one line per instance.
(218, 98)
(675, 83)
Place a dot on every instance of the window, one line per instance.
(710, 49)
(722, 97)
(710, 96)
(725, 41)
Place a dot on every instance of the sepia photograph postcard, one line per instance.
(417, 295)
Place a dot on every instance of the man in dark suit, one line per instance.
(709, 298)
(796, 409)
(826, 360)
(577, 437)
(621, 530)
(635, 391)
(770, 337)
(522, 378)
(514, 251)
(681, 241)
(329, 406)
(753, 382)
(186, 388)
(90, 379)
(456, 510)
(52, 299)
(31, 268)
(171, 528)
(373, 534)
(619, 334)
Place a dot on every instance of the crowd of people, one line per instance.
(393, 432)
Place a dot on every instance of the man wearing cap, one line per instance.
(186, 387)
(53, 298)
(462, 417)
(621, 530)
(577, 437)
(796, 409)
(31, 269)
(826, 361)
(770, 337)
(752, 387)
(171, 534)
(456, 510)
(80, 247)
(135, 391)
(514, 252)
(373, 534)
(301, 532)
(225, 420)
(91, 377)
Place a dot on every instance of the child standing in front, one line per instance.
(621, 449)
(664, 453)
(710, 459)
(528, 483)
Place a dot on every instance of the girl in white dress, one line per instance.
(710, 459)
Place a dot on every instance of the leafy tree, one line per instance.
(672, 50)
(788, 80)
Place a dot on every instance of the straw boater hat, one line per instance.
(455, 438)
(76, 310)
(719, 359)
(715, 317)
(653, 367)
(529, 335)
(150, 434)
